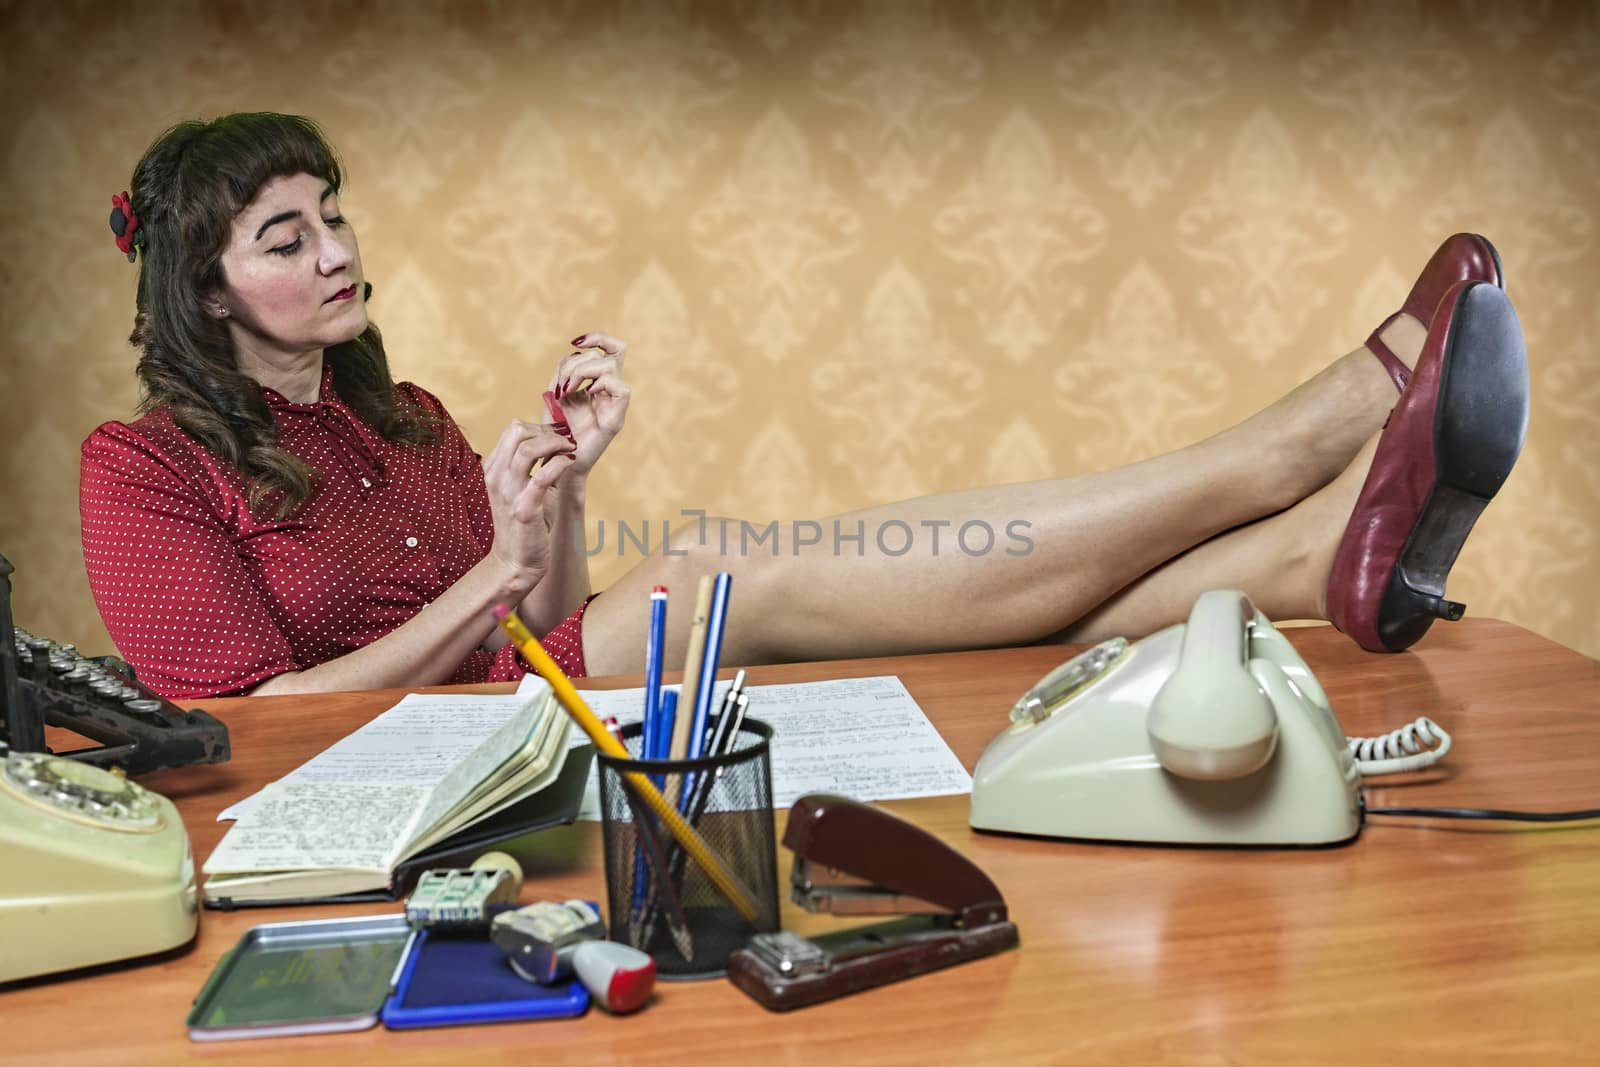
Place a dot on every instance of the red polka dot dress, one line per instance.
(204, 598)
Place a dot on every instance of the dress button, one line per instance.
(411, 542)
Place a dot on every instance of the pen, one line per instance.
(708, 664)
(568, 697)
(744, 702)
(736, 702)
(708, 679)
(652, 672)
(651, 854)
(722, 742)
(736, 709)
(721, 735)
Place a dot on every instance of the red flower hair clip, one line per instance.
(125, 224)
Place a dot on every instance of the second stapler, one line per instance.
(854, 859)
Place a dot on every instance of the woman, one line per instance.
(284, 518)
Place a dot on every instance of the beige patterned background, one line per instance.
(861, 250)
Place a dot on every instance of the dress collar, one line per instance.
(362, 452)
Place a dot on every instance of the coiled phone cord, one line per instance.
(1405, 749)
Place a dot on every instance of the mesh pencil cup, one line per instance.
(660, 899)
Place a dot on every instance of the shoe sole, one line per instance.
(1494, 254)
(1478, 430)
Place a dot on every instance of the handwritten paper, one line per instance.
(296, 825)
(416, 742)
(865, 738)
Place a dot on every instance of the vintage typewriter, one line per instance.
(46, 683)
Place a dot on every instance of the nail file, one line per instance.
(558, 418)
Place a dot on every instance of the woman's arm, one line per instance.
(427, 648)
(594, 416)
(566, 585)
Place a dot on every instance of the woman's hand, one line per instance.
(594, 415)
(517, 493)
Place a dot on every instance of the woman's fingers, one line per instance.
(520, 448)
(611, 346)
(549, 474)
(570, 374)
(536, 447)
(613, 393)
(502, 447)
(566, 379)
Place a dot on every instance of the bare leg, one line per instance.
(1088, 537)
(1282, 562)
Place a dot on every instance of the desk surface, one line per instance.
(1439, 941)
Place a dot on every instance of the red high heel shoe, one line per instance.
(1447, 448)
(1463, 257)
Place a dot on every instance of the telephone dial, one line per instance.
(1213, 731)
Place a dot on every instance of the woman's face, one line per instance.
(292, 273)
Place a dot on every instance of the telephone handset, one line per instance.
(96, 867)
(1213, 731)
(1212, 719)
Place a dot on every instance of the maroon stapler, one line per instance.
(854, 859)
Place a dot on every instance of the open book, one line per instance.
(429, 768)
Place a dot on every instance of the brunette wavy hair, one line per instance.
(187, 189)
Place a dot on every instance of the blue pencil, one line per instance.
(667, 712)
(652, 672)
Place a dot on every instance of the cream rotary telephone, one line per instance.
(1211, 732)
(93, 868)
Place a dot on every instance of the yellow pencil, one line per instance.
(567, 695)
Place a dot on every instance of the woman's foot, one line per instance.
(1463, 257)
(1317, 428)
(1446, 450)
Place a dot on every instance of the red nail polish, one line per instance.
(579, 339)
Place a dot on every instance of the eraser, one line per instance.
(619, 978)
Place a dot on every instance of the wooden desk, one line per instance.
(1436, 942)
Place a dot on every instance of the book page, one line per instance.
(416, 742)
(518, 751)
(486, 760)
(359, 804)
(864, 738)
(298, 825)
(539, 772)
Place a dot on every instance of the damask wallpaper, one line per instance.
(861, 251)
